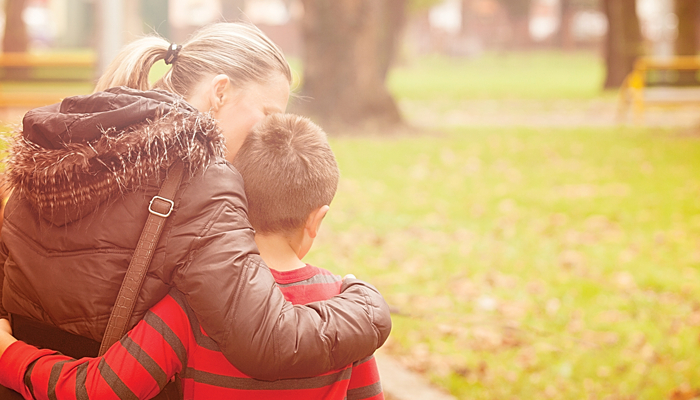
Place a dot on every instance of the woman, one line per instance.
(83, 172)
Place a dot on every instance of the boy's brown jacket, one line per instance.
(83, 172)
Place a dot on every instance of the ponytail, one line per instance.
(239, 50)
(131, 66)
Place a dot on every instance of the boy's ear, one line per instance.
(219, 88)
(313, 222)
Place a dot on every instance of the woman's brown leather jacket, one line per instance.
(83, 172)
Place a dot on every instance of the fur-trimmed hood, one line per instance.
(72, 156)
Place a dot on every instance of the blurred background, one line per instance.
(520, 178)
(375, 38)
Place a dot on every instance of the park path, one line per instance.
(11, 117)
(599, 112)
(399, 383)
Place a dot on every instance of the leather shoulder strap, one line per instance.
(159, 209)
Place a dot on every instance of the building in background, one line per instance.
(467, 27)
(659, 25)
(106, 25)
(455, 27)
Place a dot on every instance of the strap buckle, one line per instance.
(164, 215)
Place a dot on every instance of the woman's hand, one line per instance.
(6, 338)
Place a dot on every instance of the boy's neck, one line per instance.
(278, 251)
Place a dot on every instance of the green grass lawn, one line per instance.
(535, 75)
(529, 263)
(44, 84)
(526, 263)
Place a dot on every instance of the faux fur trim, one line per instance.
(70, 182)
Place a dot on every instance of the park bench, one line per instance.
(36, 79)
(669, 81)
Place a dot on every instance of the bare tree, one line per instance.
(16, 38)
(566, 15)
(154, 16)
(688, 12)
(348, 48)
(624, 40)
(232, 10)
(467, 18)
(567, 9)
(519, 15)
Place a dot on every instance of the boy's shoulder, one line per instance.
(300, 275)
(308, 284)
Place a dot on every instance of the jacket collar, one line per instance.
(72, 156)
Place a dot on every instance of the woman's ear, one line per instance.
(219, 88)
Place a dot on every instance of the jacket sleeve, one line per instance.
(239, 305)
(3, 256)
(4, 252)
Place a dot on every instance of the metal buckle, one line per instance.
(152, 211)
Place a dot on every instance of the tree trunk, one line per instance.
(134, 25)
(467, 28)
(624, 40)
(390, 28)
(687, 12)
(566, 36)
(232, 10)
(16, 38)
(154, 14)
(520, 32)
(687, 40)
(518, 12)
(348, 47)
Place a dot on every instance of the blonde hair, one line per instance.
(239, 50)
(288, 171)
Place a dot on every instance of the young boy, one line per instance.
(290, 177)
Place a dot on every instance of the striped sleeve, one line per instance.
(364, 381)
(16, 359)
(137, 367)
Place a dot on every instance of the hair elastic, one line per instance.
(172, 53)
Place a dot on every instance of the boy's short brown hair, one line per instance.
(288, 170)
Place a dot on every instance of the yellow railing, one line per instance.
(635, 90)
(29, 92)
(84, 60)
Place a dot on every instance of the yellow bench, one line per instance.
(37, 79)
(659, 81)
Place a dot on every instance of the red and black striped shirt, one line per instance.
(169, 341)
